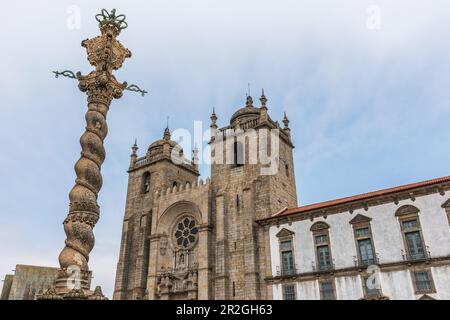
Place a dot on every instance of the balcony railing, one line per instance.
(416, 256)
(326, 267)
(283, 272)
(364, 263)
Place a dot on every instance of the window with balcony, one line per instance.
(362, 232)
(415, 248)
(287, 258)
(324, 261)
(285, 238)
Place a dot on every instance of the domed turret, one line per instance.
(158, 147)
(249, 112)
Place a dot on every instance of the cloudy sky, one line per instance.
(368, 100)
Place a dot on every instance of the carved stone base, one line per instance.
(74, 294)
(66, 281)
(65, 287)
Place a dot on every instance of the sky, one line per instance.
(365, 85)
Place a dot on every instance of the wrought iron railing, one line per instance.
(284, 272)
(323, 267)
(364, 263)
(416, 256)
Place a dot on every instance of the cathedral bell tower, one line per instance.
(252, 175)
(156, 170)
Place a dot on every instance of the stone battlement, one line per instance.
(195, 187)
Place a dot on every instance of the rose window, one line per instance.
(186, 232)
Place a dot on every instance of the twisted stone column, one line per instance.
(106, 54)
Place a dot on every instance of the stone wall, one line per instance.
(28, 281)
(132, 268)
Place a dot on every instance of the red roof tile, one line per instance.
(363, 196)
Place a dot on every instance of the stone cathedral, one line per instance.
(185, 238)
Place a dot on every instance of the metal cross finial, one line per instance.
(109, 18)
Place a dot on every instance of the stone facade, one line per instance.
(230, 236)
(27, 282)
(167, 207)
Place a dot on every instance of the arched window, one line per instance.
(238, 153)
(146, 182)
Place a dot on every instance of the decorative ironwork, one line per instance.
(364, 263)
(65, 73)
(325, 267)
(416, 256)
(285, 272)
(72, 75)
(109, 18)
(135, 88)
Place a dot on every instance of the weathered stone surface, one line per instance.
(27, 282)
(230, 256)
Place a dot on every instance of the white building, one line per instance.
(388, 244)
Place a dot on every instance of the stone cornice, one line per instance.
(351, 205)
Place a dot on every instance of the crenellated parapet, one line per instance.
(184, 190)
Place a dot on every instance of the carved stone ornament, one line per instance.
(49, 294)
(284, 233)
(98, 294)
(406, 210)
(106, 54)
(359, 218)
(319, 226)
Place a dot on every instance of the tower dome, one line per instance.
(157, 147)
(246, 113)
